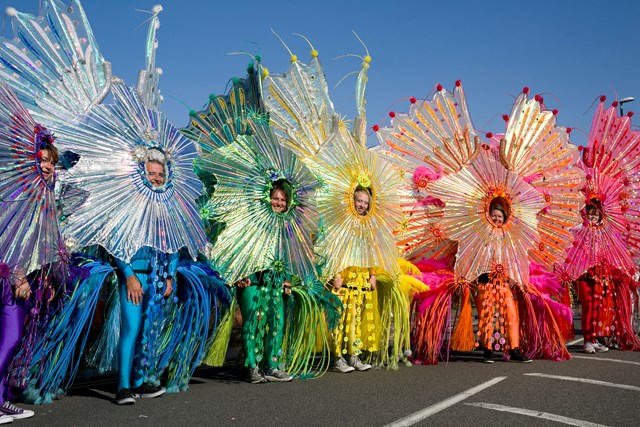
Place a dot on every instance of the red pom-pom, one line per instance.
(489, 135)
(567, 260)
(537, 98)
(39, 154)
(392, 114)
(541, 100)
(525, 90)
(439, 87)
(555, 112)
(588, 176)
(614, 104)
(569, 131)
(458, 83)
(603, 98)
(630, 114)
(413, 100)
(505, 117)
(376, 128)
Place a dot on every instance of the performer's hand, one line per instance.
(373, 281)
(337, 282)
(134, 290)
(52, 294)
(22, 289)
(169, 288)
(245, 282)
(286, 285)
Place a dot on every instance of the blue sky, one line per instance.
(570, 51)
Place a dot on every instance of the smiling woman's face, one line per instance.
(278, 201)
(46, 165)
(593, 216)
(361, 202)
(497, 217)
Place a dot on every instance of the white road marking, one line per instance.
(418, 416)
(585, 380)
(575, 342)
(604, 359)
(536, 414)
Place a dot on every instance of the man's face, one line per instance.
(155, 174)
(46, 166)
(361, 202)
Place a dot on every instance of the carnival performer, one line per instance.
(359, 209)
(156, 200)
(250, 293)
(30, 242)
(607, 246)
(139, 207)
(488, 310)
(54, 96)
(265, 247)
(357, 330)
(263, 259)
(502, 207)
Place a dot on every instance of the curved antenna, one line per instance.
(181, 102)
(345, 77)
(245, 53)
(155, 11)
(362, 43)
(284, 44)
(347, 55)
(313, 49)
(597, 99)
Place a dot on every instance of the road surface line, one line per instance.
(418, 416)
(536, 414)
(585, 380)
(574, 342)
(604, 359)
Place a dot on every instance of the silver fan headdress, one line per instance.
(124, 211)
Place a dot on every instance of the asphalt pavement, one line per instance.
(588, 390)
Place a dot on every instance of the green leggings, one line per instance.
(262, 325)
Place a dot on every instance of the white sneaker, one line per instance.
(600, 348)
(5, 419)
(588, 348)
(357, 364)
(15, 412)
(341, 365)
(276, 375)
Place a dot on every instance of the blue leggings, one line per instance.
(129, 336)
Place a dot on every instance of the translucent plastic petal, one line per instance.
(300, 108)
(29, 234)
(54, 64)
(225, 117)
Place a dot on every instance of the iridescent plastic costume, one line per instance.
(607, 244)
(452, 179)
(354, 244)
